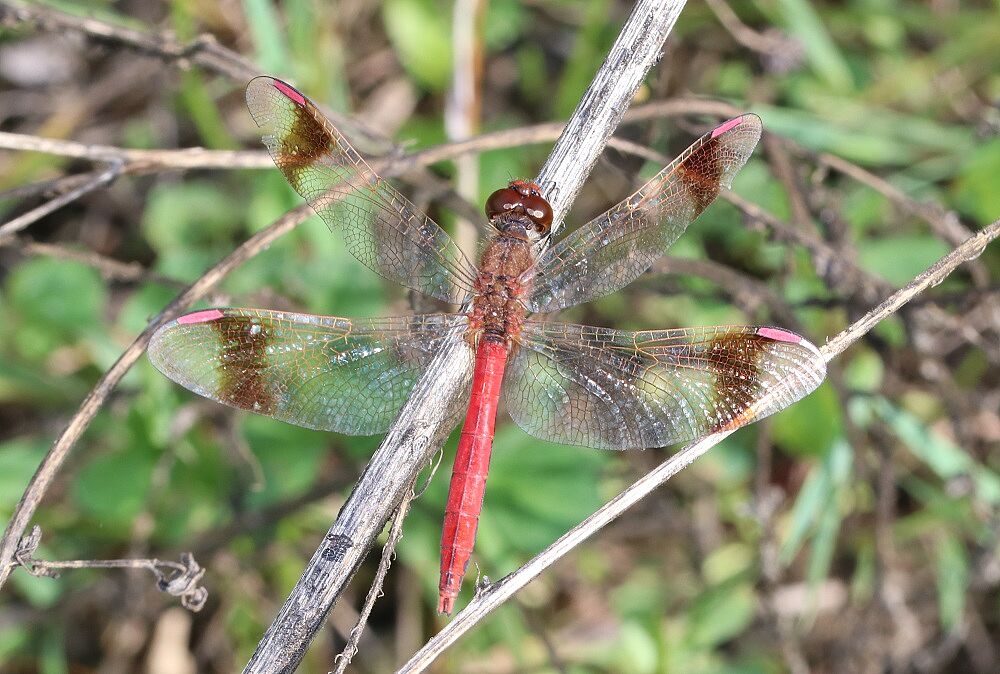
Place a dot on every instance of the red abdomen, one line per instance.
(468, 478)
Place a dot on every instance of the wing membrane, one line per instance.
(615, 248)
(381, 227)
(336, 374)
(613, 389)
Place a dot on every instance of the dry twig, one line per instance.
(375, 591)
(424, 420)
(489, 598)
(56, 456)
(419, 432)
(179, 579)
(22, 221)
(109, 268)
(203, 51)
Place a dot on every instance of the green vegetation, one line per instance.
(780, 546)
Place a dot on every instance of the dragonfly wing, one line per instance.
(382, 229)
(612, 389)
(335, 374)
(615, 248)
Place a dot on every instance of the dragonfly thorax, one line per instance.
(497, 310)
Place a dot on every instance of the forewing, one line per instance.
(381, 227)
(335, 374)
(612, 389)
(615, 248)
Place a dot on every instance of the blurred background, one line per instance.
(856, 531)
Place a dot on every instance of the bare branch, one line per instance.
(51, 186)
(180, 579)
(203, 51)
(944, 223)
(422, 423)
(831, 265)
(489, 598)
(138, 160)
(749, 293)
(780, 52)
(375, 591)
(604, 103)
(110, 269)
(200, 158)
(933, 275)
(22, 221)
(89, 408)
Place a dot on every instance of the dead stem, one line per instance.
(493, 596)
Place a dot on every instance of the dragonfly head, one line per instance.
(521, 210)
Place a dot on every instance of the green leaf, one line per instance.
(952, 567)
(19, 458)
(268, 37)
(810, 426)
(591, 43)
(818, 493)
(188, 215)
(53, 656)
(506, 20)
(720, 613)
(865, 370)
(637, 650)
(23, 383)
(537, 490)
(821, 50)
(420, 30)
(66, 297)
(976, 187)
(289, 457)
(142, 305)
(944, 457)
(14, 638)
(726, 562)
(113, 487)
(899, 258)
(823, 546)
(191, 225)
(200, 104)
(864, 133)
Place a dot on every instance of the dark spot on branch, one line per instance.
(335, 551)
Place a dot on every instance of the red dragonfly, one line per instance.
(573, 384)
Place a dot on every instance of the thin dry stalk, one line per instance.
(203, 50)
(771, 44)
(490, 597)
(109, 268)
(139, 160)
(56, 456)
(17, 224)
(375, 591)
(425, 419)
(464, 104)
(179, 579)
(971, 249)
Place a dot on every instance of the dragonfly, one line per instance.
(560, 382)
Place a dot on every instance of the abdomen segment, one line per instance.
(468, 478)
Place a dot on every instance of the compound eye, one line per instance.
(540, 212)
(501, 201)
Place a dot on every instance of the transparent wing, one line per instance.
(612, 389)
(381, 227)
(615, 248)
(336, 374)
